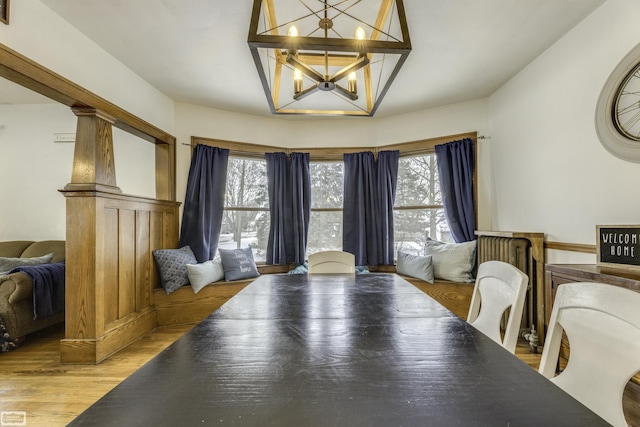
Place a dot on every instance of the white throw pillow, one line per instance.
(452, 261)
(203, 274)
(415, 266)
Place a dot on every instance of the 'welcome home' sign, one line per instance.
(618, 245)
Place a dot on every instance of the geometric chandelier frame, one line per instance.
(328, 57)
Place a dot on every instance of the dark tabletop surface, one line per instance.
(335, 350)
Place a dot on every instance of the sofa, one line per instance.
(16, 289)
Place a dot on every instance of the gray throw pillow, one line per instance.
(238, 264)
(172, 265)
(452, 261)
(420, 267)
(8, 264)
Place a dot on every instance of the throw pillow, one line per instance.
(300, 269)
(452, 261)
(362, 269)
(203, 274)
(420, 267)
(238, 264)
(8, 264)
(172, 265)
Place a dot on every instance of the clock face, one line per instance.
(625, 109)
(617, 117)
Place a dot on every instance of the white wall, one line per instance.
(34, 168)
(550, 171)
(41, 35)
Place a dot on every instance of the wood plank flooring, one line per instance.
(33, 381)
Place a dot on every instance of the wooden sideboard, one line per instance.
(557, 274)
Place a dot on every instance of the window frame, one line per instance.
(319, 154)
(246, 208)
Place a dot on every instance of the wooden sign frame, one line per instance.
(618, 246)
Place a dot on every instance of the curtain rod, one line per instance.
(479, 137)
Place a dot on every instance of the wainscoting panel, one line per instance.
(112, 270)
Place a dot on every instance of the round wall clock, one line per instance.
(618, 109)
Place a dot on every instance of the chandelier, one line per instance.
(328, 57)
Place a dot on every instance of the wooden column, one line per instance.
(93, 162)
(165, 170)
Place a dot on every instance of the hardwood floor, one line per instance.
(34, 382)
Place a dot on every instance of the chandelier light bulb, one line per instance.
(297, 81)
(352, 83)
(293, 31)
(360, 34)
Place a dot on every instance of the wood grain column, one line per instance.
(93, 161)
(93, 173)
(165, 170)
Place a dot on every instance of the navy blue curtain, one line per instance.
(387, 182)
(456, 164)
(359, 235)
(289, 185)
(301, 205)
(204, 201)
(369, 194)
(279, 207)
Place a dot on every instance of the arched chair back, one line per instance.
(332, 262)
(498, 286)
(602, 324)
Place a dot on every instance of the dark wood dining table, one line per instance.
(335, 350)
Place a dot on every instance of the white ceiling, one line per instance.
(195, 51)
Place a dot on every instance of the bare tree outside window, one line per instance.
(418, 211)
(246, 213)
(327, 188)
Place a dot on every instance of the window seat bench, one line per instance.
(183, 306)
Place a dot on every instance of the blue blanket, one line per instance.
(48, 287)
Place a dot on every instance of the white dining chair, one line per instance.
(332, 262)
(499, 286)
(602, 324)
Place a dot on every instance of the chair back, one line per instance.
(498, 286)
(602, 323)
(332, 262)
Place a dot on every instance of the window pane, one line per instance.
(327, 185)
(418, 181)
(241, 229)
(246, 188)
(246, 183)
(411, 228)
(325, 232)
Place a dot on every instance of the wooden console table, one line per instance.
(557, 274)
